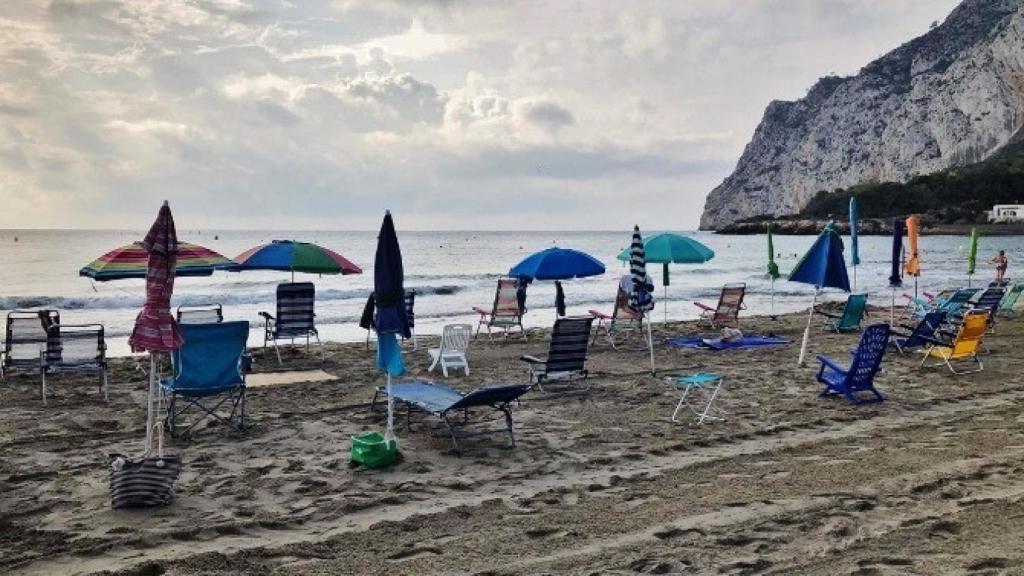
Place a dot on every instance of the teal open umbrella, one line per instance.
(667, 248)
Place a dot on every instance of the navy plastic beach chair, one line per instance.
(209, 375)
(295, 317)
(566, 361)
(920, 335)
(444, 402)
(859, 377)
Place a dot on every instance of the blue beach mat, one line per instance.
(698, 343)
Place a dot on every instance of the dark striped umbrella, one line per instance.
(640, 299)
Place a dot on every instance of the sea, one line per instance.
(452, 272)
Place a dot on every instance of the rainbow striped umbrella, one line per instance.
(290, 256)
(130, 262)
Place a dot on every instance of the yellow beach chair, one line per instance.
(964, 347)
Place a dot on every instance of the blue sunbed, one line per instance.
(443, 401)
(698, 343)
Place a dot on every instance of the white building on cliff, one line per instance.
(1006, 213)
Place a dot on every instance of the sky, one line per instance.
(456, 115)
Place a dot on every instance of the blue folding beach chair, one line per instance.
(852, 316)
(920, 335)
(209, 375)
(443, 402)
(859, 377)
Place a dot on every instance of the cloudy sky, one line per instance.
(468, 114)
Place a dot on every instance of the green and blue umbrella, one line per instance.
(292, 256)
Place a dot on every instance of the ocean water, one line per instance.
(451, 272)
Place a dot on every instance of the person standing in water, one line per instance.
(1001, 262)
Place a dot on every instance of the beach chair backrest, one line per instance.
(926, 328)
(569, 340)
(200, 314)
(410, 301)
(622, 311)
(75, 346)
(853, 312)
(211, 356)
(1009, 301)
(868, 356)
(505, 303)
(491, 396)
(295, 302)
(730, 302)
(959, 299)
(26, 335)
(456, 337)
(972, 330)
(990, 298)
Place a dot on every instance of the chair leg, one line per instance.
(508, 424)
(704, 414)
(451, 432)
(433, 364)
(682, 402)
(278, 351)
(444, 367)
(106, 396)
(42, 384)
(323, 353)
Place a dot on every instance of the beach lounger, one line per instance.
(851, 317)
(505, 312)
(452, 351)
(567, 356)
(964, 346)
(210, 314)
(727, 312)
(24, 338)
(446, 404)
(1009, 301)
(710, 385)
(958, 302)
(74, 349)
(208, 376)
(622, 319)
(295, 317)
(917, 336)
(859, 376)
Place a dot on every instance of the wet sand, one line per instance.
(928, 482)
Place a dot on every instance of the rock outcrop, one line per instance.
(951, 97)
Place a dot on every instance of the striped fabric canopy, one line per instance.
(640, 300)
(155, 328)
(290, 256)
(130, 262)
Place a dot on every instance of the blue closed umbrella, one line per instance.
(854, 241)
(557, 264)
(823, 266)
(391, 318)
(896, 272)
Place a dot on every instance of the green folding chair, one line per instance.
(851, 318)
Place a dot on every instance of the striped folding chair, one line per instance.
(566, 361)
(74, 349)
(211, 314)
(295, 317)
(24, 338)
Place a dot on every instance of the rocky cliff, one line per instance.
(951, 97)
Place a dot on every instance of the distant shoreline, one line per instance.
(867, 227)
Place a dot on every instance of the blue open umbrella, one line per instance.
(389, 299)
(557, 264)
(823, 266)
(896, 272)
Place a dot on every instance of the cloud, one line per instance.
(547, 115)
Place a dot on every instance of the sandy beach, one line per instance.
(928, 482)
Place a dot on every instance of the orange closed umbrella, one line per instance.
(913, 265)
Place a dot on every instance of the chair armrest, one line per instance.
(532, 360)
(825, 361)
(599, 315)
(266, 315)
(247, 362)
(703, 306)
(481, 311)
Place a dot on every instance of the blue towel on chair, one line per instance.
(698, 343)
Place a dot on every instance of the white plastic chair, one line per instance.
(452, 353)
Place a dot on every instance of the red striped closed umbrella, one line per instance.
(155, 329)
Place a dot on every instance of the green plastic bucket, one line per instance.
(372, 451)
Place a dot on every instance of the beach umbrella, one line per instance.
(823, 266)
(389, 300)
(773, 268)
(640, 298)
(557, 264)
(667, 248)
(292, 256)
(896, 273)
(972, 255)
(131, 261)
(155, 329)
(913, 265)
(854, 243)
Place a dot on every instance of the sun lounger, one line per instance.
(74, 349)
(295, 317)
(452, 351)
(622, 319)
(964, 346)
(727, 312)
(505, 312)
(446, 404)
(917, 336)
(1009, 301)
(859, 376)
(851, 317)
(567, 356)
(24, 338)
(208, 375)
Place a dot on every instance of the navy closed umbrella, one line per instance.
(389, 298)
(823, 266)
(896, 273)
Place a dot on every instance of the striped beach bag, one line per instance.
(148, 481)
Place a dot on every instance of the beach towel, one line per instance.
(698, 343)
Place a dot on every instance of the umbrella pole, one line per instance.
(149, 403)
(664, 305)
(773, 298)
(855, 278)
(650, 346)
(807, 331)
(892, 309)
